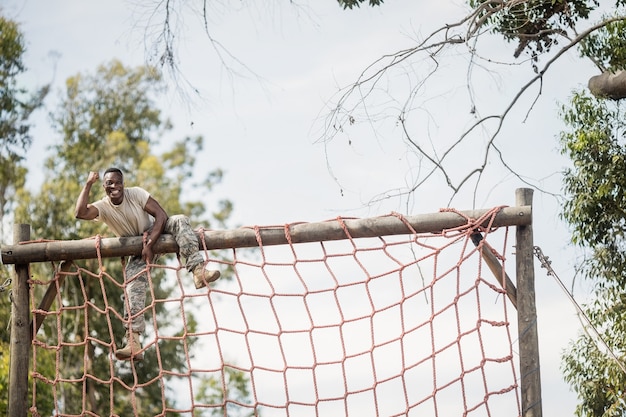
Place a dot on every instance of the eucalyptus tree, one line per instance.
(595, 141)
(17, 105)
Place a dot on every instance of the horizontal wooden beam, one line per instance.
(247, 236)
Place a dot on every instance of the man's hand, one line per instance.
(83, 209)
(146, 254)
(154, 209)
(93, 177)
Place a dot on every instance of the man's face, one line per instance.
(114, 187)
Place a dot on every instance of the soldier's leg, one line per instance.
(136, 286)
(180, 228)
(135, 300)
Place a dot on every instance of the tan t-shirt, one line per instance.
(128, 218)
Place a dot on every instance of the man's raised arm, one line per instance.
(84, 210)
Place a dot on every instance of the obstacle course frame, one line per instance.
(522, 294)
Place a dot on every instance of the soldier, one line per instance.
(133, 212)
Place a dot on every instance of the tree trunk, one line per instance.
(609, 85)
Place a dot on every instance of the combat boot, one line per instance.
(202, 276)
(132, 348)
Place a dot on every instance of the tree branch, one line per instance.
(342, 114)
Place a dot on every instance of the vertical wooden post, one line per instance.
(20, 332)
(530, 378)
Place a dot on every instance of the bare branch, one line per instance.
(342, 113)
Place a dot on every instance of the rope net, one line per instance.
(406, 325)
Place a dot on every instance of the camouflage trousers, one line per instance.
(136, 277)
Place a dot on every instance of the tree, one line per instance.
(607, 48)
(109, 119)
(16, 108)
(596, 143)
(538, 26)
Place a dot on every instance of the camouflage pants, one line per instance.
(136, 277)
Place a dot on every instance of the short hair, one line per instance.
(113, 169)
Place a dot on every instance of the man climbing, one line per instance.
(133, 212)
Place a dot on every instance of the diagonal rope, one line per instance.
(597, 337)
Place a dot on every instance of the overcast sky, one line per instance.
(263, 127)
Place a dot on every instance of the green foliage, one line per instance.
(349, 4)
(536, 25)
(596, 187)
(231, 390)
(4, 358)
(600, 385)
(107, 119)
(596, 182)
(607, 46)
(16, 107)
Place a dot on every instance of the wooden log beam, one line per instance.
(247, 236)
(610, 85)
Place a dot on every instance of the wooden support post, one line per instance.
(530, 375)
(20, 332)
(496, 268)
(50, 295)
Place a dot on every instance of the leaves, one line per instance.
(349, 4)
(536, 25)
(596, 208)
(231, 390)
(16, 107)
(596, 186)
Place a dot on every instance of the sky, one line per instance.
(262, 123)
